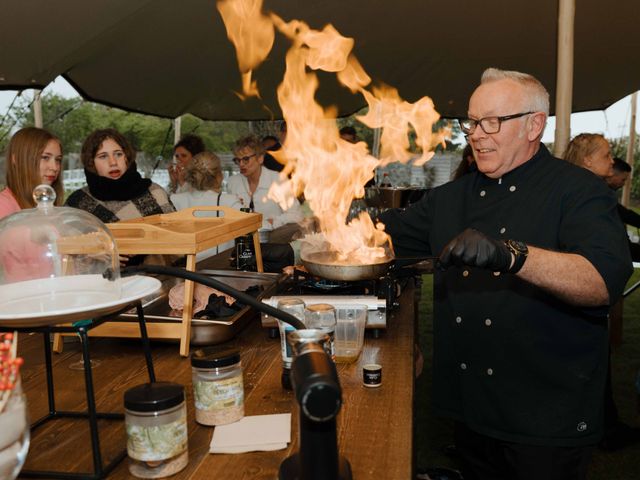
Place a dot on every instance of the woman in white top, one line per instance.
(253, 183)
(204, 177)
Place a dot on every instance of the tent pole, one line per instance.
(626, 190)
(564, 78)
(37, 108)
(177, 127)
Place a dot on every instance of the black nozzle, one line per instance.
(315, 382)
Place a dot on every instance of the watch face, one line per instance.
(519, 246)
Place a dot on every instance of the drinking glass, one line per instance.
(14, 435)
(322, 316)
(79, 364)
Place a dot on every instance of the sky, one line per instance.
(612, 122)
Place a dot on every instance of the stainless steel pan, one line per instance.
(323, 264)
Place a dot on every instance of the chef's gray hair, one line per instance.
(537, 95)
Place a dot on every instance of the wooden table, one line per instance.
(375, 426)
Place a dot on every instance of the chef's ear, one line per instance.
(537, 122)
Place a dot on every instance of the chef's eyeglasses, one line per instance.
(243, 160)
(488, 125)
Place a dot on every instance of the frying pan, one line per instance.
(323, 264)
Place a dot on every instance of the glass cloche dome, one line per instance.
(55, 261)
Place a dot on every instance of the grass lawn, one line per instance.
(432, 433)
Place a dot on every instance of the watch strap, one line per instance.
(520, 252)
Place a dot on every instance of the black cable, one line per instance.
(66, 112)
(161, 156)
(8, 130)
(218, 285)
(6, 114)
(166, 138)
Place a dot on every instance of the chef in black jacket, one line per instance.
(531, 253)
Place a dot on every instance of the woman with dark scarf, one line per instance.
(115, 190)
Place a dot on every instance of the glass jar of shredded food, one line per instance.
(218, 388)
(156, 424)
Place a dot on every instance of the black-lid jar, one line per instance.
(156, 424)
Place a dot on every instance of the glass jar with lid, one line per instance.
(156, 424)
(218, 387)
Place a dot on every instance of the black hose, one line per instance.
(218, 285)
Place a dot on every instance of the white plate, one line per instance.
(79, 297)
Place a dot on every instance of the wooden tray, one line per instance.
(188, 231)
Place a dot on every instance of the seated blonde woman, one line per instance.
(204, 177)
(591, 151)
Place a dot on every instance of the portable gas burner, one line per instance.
(379, 295)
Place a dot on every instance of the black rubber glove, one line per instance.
(475, 249)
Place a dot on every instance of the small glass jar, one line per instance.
(295, 307)
(156, 424)
(218, 388)
(322, 316)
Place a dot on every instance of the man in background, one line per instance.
(621, 173)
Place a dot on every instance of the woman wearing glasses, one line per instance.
(253, 183)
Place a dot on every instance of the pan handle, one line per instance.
(416, 264)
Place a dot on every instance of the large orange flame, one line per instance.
(328, 170)
(251, 33)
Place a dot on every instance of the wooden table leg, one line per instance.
(58, 343)
(187, 312)
(258, 249)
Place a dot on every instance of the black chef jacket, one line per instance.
(510, 360)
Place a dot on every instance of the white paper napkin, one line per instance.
(253, 434)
